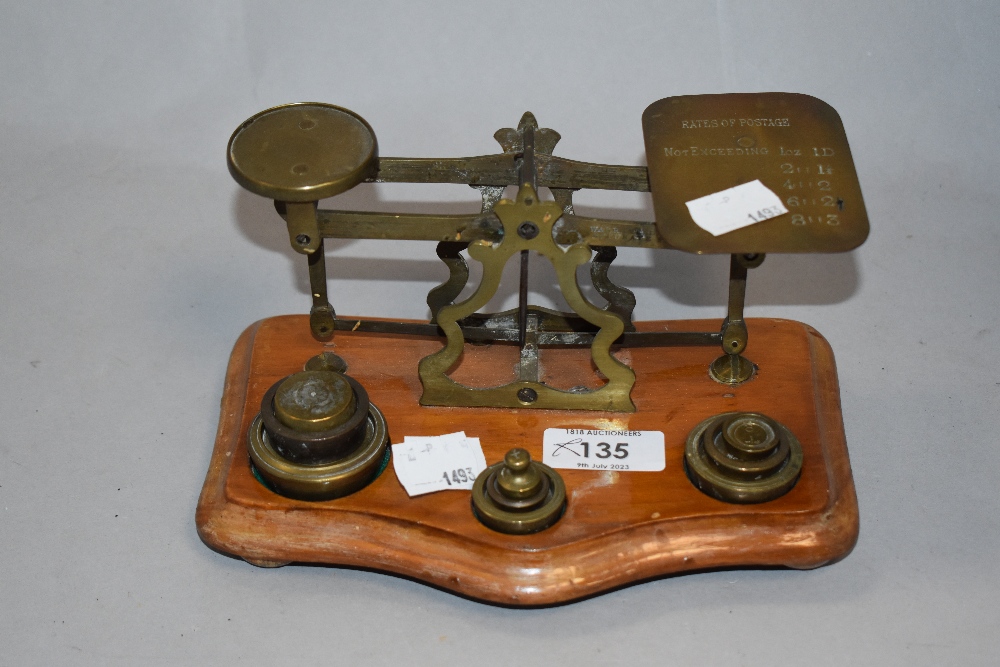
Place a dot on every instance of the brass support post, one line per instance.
(321, 315)
(306, 239)
(732, 367)
(527, 176)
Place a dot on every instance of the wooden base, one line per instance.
(618, 528)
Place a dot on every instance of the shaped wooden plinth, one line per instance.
(619, 527)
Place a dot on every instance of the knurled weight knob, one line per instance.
(743, 457)
(518, 496)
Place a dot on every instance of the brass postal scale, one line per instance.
(609, 451)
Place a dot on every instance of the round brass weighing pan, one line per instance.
(302, 152)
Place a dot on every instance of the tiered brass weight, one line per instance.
(743, 457)
(317, 436)
(518, 496)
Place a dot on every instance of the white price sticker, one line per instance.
(594, 449)
(437, 463)
(735, 208)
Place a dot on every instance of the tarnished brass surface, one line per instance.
(303, 227)
(317, 435)
(326, 481)
(326, 361)
(439, 389)
(731, 369)
(518, 485)
(794, 144)
(696, 145)
(445, 294)
(314, 401)
(621, 300)
(335, 440)
(518, 496)
(479, 227)
(743, 457)
(302, 152)
(494, 328)
(322, 317)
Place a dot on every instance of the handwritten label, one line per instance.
(595, 449)
(425, 464)
(735, 208)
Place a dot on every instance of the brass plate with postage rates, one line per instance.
(795, 145)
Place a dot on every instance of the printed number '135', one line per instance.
(604, 450)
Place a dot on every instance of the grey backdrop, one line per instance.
(131, 262)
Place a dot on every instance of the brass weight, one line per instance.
(518, 496)
(742, 457)
(317, 436)
(314, 401)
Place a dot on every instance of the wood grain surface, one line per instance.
(618, 528)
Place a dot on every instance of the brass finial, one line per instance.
(518, 478)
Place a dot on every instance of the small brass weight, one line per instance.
(748, 411)
(518, 495)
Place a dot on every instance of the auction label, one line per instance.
(595, 449)
(735, 208)
(425, 464)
